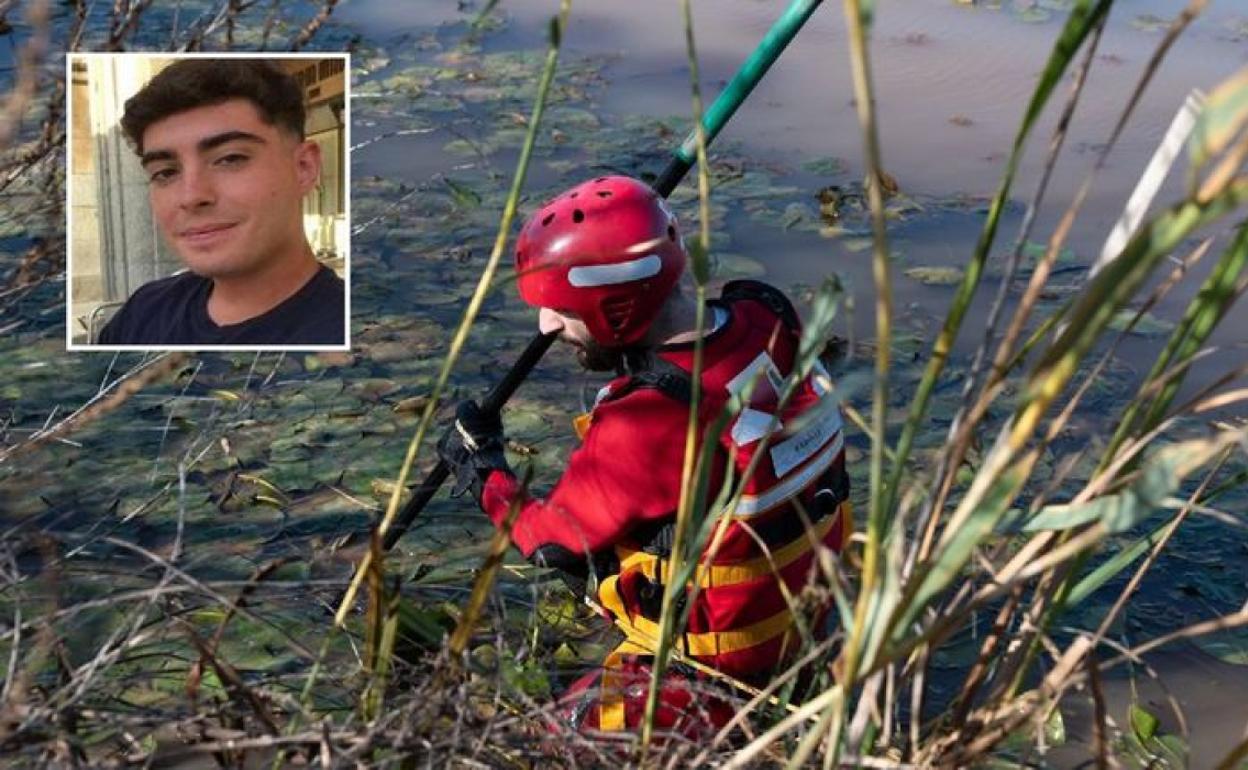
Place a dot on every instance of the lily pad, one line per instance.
(1150, 22)
(1149, 325)
(857, 245)
(729, 265)
(829, 165)
(936, 275)
(1034, 251)
(1228, 646)
(797, 214)
(1035, 15)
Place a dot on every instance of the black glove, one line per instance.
(473, 447)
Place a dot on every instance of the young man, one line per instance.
(602, 261)
(222, 144)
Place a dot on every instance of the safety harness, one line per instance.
(741, 621)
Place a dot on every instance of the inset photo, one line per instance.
(208, 202)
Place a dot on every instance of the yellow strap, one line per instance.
(642, 633)
(740, 572)
(611, 699)
(580, 424)
(645, 632)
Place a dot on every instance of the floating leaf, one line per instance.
(1143, 724)
(1055, 729)
(796, 214)
(856, 245)
(1148, 325)
(1228, 646)
(730, 265)
(1035, 15)
(936, 275)
(829, 165)
(1149, 22)
(411, 404)
(1034, 251)
(463, 195)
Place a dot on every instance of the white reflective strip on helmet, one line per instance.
(607, 275)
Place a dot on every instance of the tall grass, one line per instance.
(906, 607)
(898, 622)
(939, 549)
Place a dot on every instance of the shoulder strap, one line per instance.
(771, 297)
(661, 375)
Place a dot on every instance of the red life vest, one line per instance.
(612, 510)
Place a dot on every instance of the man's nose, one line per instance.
(548, 321)
(196, 189)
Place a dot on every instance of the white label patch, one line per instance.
(792, 452)
(767, 389)
(751, 425)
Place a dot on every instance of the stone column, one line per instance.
(131, 248)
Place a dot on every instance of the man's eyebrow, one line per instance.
(204, 145)
(155, 155)
(216, 140)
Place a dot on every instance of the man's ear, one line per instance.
(307, 165)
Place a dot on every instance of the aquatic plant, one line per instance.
(176, 546)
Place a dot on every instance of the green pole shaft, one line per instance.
(726, 104)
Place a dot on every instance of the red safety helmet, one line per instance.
(607, 251)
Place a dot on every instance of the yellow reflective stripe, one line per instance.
(709, 643)
(630, 559)
(645, 632)
(740, 572)
(580, 424)
(609, 595)
(611, 714)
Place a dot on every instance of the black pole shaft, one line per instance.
(723, 107)
(676, 169)
(493, 402)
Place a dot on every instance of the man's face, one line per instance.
(573, 331)
(226, 187)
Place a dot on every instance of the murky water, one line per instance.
(951, 82)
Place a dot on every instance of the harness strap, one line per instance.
(611, 711)
(770, 296)
(710, 576)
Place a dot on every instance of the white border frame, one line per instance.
(346, 163)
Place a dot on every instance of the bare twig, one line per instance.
(313, 25)
(123, 388)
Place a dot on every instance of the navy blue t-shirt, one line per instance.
(174, 311)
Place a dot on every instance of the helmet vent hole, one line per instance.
(548, 219)
(573, 195)
(578, 216)
(617, 311)
(671, 233)
(601, 179)
(604, 193)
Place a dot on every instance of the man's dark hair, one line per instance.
(190, 83)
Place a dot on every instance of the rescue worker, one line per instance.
(602, 261)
